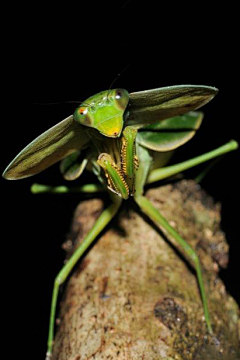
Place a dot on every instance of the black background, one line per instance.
(45, 66)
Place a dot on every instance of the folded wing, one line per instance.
(50, 147)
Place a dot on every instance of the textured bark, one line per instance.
(133, 296)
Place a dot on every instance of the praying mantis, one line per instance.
(126, 140)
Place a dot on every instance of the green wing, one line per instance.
(150, 106)
(47, 149)
(171, 133)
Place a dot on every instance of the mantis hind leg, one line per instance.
(147, 207)
(100, 224)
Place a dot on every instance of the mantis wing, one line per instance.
(170, 133)
(47, 149)
(150, 106)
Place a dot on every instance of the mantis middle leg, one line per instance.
(165, 172)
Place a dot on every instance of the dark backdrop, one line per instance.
(41, 66)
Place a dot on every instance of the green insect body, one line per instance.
(126, 140)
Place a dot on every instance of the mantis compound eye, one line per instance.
(118, 94)
(82, 115)
(82, 111)
(121, 98)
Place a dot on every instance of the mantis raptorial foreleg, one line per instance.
(147, 207)
(129, 160)
(100, 224)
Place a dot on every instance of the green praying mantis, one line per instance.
(126, 140)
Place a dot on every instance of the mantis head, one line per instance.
(104, 112)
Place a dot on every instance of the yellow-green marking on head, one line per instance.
(104, 112)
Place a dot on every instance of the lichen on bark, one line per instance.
(134, 296)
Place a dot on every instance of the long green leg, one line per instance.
(147, 207)
(167, 171)
(88, 188)
(100, 224)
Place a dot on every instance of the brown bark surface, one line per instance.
(134, 297)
